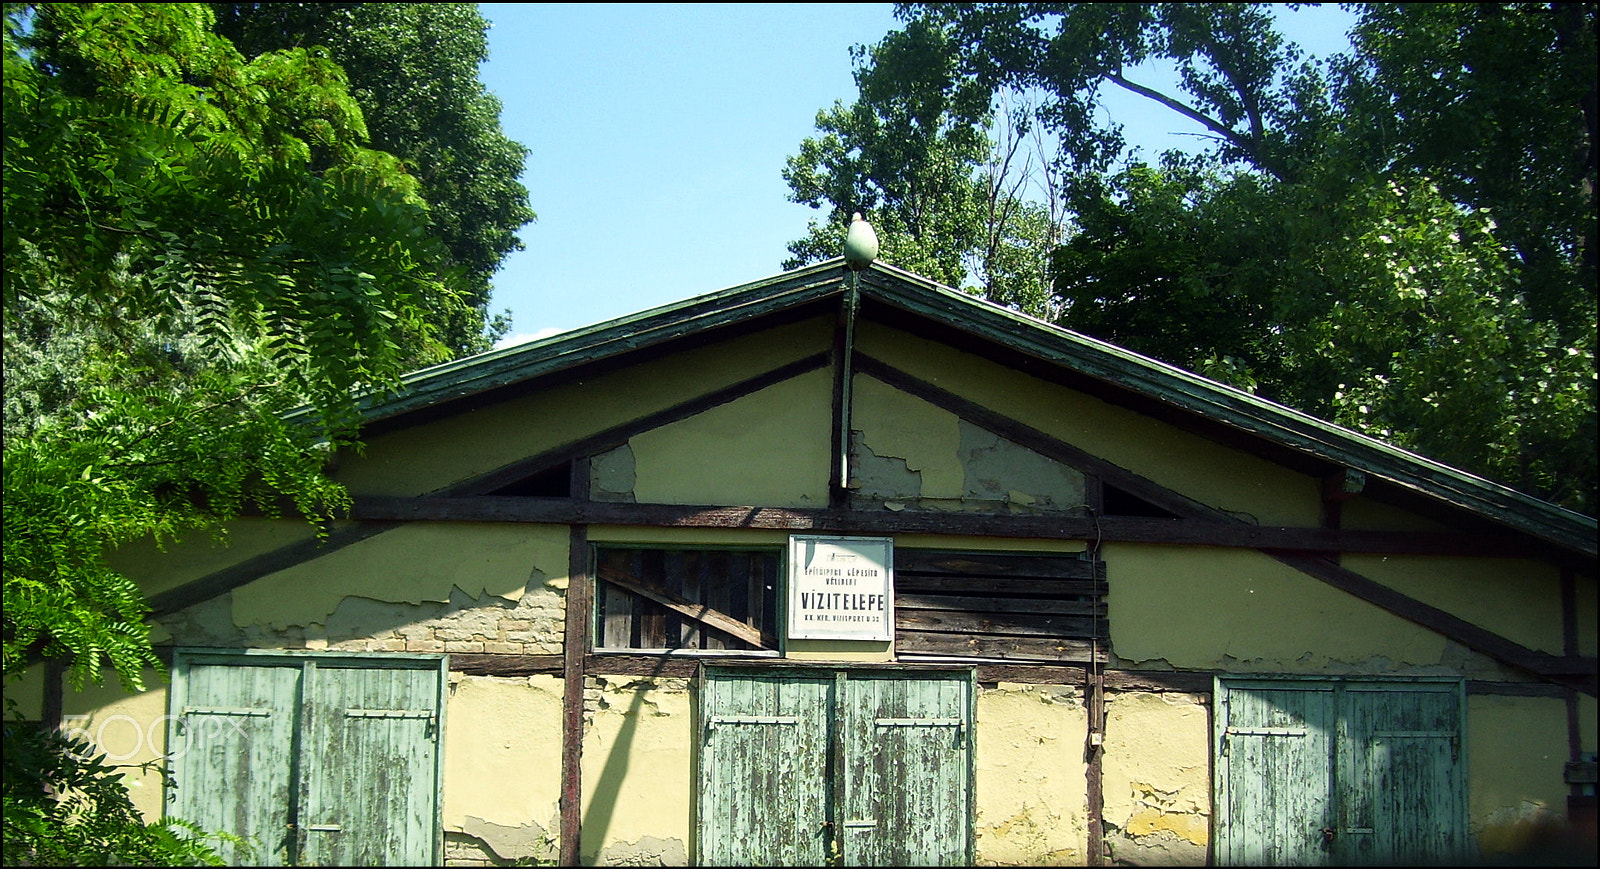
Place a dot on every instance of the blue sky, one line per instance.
(658, 134)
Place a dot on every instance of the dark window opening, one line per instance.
(553, 483)
(1120, 503)
(708, 599)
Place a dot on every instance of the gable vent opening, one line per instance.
(1120, 503)
(553, 483)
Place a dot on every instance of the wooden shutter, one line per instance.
(317, 759)
(795, 761)
(1400, 796)
(1274, 770)
(763, 789)
(1348, 772)
(231, 739)
(906, 769)
(369, 754)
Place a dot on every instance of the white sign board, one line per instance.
(841, 588)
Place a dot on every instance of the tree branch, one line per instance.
(1244, 144)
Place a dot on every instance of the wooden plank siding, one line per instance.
(1004, 606)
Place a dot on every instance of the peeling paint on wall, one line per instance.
(531, 625)
(612, 475)
(421, 561)
(1156, 778)
(646, 851)
(997, 470)
(882, 478)
(1031, 803)
(900, 426)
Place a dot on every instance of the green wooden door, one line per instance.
(315, 759)
(763, 798)
(1358, 772)
(230, 743)
(369, 756)
(1401, 799)
(905, 770)
(1275, 769)
(855, 768)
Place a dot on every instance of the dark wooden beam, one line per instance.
(508, 665)
(619, 434)
(229, 578)
(575, 645)
(839, 437)
(1126, 529)
(1094, 777)
(1565, 670)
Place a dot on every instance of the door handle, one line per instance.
(1327, 838)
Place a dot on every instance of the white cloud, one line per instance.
(524, 338)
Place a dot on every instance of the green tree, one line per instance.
(914, 154)
(194, 245)
(413, 70)
(1401, 239)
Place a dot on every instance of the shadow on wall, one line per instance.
(596, 821)
(1551, 842)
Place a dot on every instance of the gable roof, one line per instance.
(917, 304)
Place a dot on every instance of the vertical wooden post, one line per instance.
(51, 706)
(1094, 749)
(575, 645)
(843, 371)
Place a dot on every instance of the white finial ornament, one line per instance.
(860, 243)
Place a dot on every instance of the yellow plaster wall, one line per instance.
(1241, 611)
(1225, 478)
(1587, 604)
(1519, 599)
(27, 689)
(1364, 514)
(157, 569)
(1031, 803)
(502, 763)
(1517, 752)
(419, 561)
(420, 459)
(769, 448)
(894, 424)
(1156, 777)
(638, 767)
(130, 728)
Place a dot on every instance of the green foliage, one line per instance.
(413, 70)
(65, 806)
(195, 244)
(913, 154)
(1401, 239)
